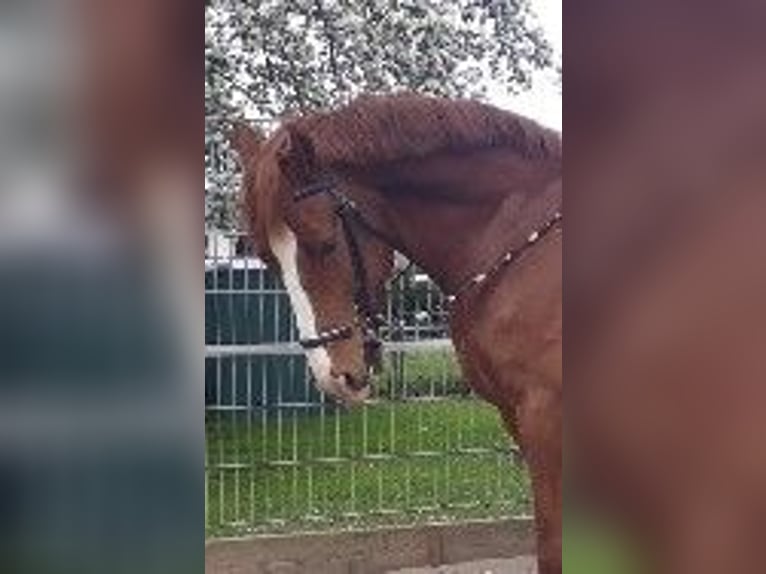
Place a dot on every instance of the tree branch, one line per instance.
(331, 40)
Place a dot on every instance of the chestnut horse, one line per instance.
(470, 193)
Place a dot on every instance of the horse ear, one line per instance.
(247, 143)
(296, 156)
(245, 140)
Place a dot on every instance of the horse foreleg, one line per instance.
(536, 424)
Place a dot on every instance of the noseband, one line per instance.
(367, 320)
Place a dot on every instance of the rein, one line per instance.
(348, 213)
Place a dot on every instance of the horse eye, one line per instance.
(326, 248)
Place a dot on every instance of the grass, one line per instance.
(421, 374)
(391, 463)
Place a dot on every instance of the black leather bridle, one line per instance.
(367, 320)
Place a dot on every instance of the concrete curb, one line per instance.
(373, 552)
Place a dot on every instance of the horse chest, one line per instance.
(510, 341)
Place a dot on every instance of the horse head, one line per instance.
(333, 269)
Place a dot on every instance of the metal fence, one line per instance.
(280, 456)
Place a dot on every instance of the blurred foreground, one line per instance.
(665, 276)
(101, 434)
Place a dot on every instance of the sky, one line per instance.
(543, 102)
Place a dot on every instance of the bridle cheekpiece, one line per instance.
(367, 320)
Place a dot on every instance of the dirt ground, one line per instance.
(522, 565)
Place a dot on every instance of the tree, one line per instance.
(267, 58)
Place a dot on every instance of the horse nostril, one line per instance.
(356, 383)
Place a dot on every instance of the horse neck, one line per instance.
(454, 215)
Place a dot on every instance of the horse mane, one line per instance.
(381, 129)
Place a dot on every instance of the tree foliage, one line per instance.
(268, 58)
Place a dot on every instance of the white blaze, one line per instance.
(285, 248)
